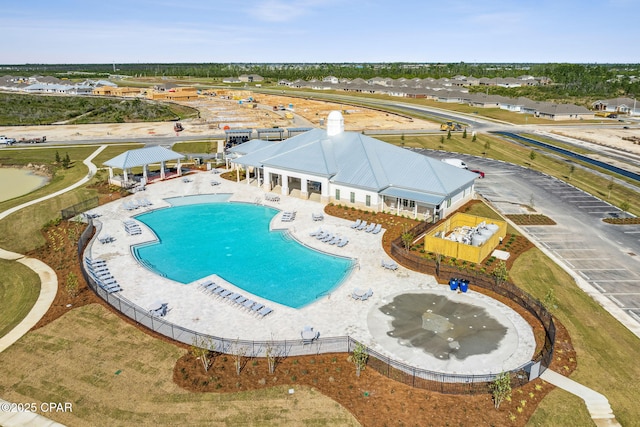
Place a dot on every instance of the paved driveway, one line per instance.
(605, 256)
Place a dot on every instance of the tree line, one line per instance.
(569, 80)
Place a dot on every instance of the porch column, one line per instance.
(266, 184)
(178, 168)
(415, 210)
(285, 185)
(144, 173)
(125, 175)
(110, 172)
(162, 174)
(398, 206)
(304, 188)
(324, 191)
(237, 173)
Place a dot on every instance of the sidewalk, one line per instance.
(597, 405)
(48, 290)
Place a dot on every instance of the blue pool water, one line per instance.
(233, 241)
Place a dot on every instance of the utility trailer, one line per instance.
(32, 140)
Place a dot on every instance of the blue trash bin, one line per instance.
(464, 285)
(453, 284)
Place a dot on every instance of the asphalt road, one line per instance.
(606, 256)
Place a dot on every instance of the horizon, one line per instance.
(319, 31)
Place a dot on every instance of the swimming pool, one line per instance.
(233, 241)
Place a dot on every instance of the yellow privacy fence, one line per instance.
(468, 237)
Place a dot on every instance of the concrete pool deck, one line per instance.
(336, 314)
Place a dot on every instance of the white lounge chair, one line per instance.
(328, 238)
(370, 228)
(248, 304)
(256, 307)
(264, 311)
(362, 226)
(334, 240)
(315, 233)
(356, 224)
(391, 265)
(343, 242)
(377, 229)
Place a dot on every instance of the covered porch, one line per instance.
(412, 204)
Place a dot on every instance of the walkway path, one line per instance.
(597, 404)
(48, 290)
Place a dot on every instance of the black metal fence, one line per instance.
(398, 371)
(482, 280)
(79, 208)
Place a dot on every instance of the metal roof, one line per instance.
(353, 159)
(427, 199)
(143, 156)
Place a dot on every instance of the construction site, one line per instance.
(231, 109)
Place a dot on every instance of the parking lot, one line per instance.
(604, 258)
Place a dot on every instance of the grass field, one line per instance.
(26, 109)
(116, 375)
(606, 350)
(47, 365)
(19, 290)
(20, 232)
(499, 149)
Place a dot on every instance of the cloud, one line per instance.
(283, 10)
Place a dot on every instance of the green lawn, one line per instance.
(606, 351)
(19, 290)
(20, 231)
(499, 149)
(28, 109)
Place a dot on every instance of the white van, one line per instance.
(456, 162)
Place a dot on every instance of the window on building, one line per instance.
(368, 200)
(408, 203)
(337, 194)
(352, 197)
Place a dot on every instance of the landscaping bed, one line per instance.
(622, 221)
(534, 219)
(374, 399)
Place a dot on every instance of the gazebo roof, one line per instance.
(143, 156)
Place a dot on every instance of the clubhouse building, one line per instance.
(333, 166)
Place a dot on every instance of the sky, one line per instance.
(221, 31)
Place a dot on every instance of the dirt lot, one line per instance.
(611, 138)
(217, 113)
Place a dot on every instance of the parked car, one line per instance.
(478, 171)
(456, 162)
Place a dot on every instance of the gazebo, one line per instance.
(142, 157)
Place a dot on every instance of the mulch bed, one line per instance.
(622, 221)
(373, 399)
(533, 219)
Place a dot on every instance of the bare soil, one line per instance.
(217, 113)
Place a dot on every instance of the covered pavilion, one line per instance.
(142, 157)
